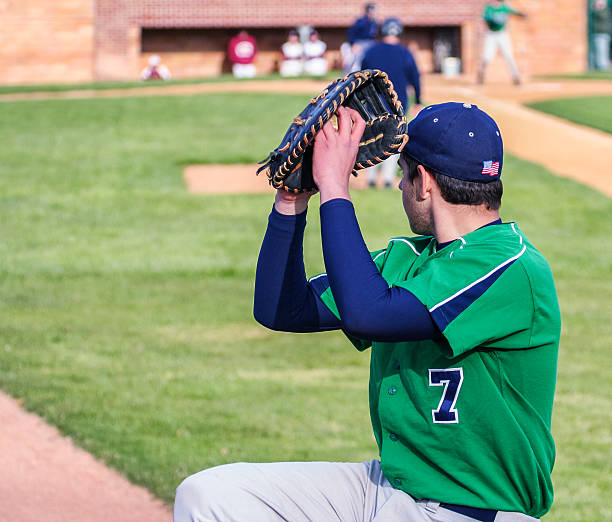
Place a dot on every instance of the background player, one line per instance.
(495, 16)
(241, 52)
(315, 63)
(292, 63)
(155, 70)
(361, 36)
(463, 323)
(601, 22)
(390, 56)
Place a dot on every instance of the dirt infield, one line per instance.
(46, 477)
(272, 86)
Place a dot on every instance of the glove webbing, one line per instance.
(368, 102)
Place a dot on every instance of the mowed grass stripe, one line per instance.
(592, 111)
(126, 304)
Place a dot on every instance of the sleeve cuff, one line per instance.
(336, 203)
(286, 222)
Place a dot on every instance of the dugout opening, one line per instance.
(193, 52)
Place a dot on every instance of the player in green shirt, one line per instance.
(496, 37)
(600, 19)
(463, 325)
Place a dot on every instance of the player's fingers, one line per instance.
(358, 125)
(327, 131)
(344, 122)
(320, 136)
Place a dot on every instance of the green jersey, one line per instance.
(496, 16)
(465, 419)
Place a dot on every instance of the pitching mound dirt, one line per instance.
(241, 179)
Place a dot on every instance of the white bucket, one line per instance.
(451, 66)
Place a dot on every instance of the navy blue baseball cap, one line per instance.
(391, 27)
(457, 140)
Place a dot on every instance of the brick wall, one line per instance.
(551, 40)
(118, 56)
(46, 41)
(80, 40)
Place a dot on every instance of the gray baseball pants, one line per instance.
(499, 40)
(305, 492)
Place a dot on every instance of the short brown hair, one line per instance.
(460, 192)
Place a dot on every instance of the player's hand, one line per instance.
(291, 204)
(335, 152)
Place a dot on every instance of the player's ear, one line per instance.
(423, 183)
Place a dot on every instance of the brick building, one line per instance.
(86, 40)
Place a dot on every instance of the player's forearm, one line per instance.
(283, 298)
(368, 307)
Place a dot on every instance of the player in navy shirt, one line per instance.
(397, 61)
(390, 56)
(362, 35)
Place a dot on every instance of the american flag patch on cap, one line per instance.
(490, 168)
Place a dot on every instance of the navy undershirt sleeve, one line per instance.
(283, 298)
(368, 307)
(286, 301)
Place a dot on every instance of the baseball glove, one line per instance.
(370, 93)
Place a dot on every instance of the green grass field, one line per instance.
(125, 309)
(592, 111)
(589, 75)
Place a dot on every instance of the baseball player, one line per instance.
(241, 52)
(362, 35)
(463, 325)
(315, 63)
(390, 56)
(293, 55)
(155, 70)
(495, 16)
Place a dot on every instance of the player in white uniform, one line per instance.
(315, 63)
(293, 56)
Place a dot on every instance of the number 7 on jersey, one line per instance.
(451, 379)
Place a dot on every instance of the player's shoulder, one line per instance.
(409, 245)
(402, 251)
(501, 245)
(492, 242)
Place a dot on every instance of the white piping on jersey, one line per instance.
(464, 243)
(379, 254)
(407, 242)
(507, 261)
(520, 237)
(317, 276)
